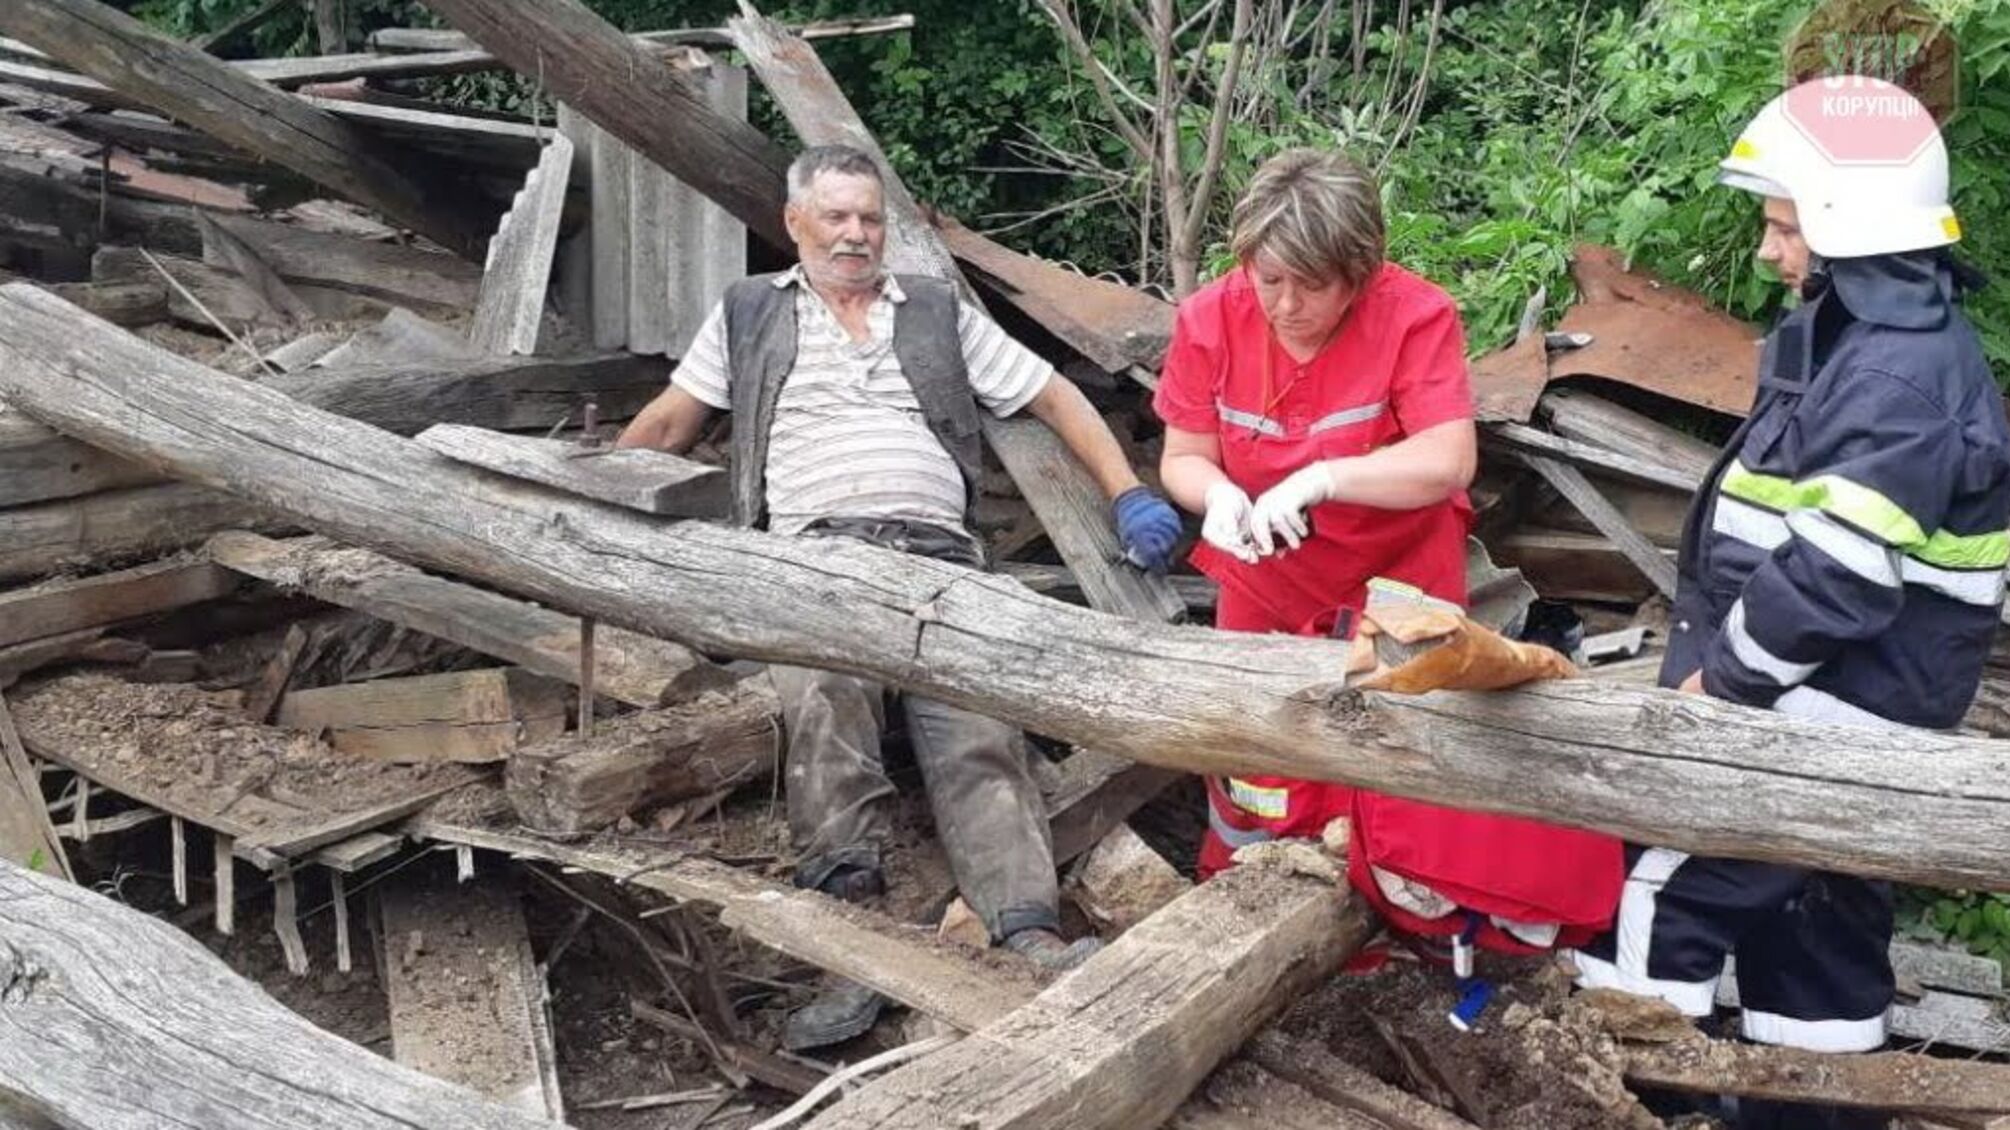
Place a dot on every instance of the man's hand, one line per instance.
(1280, 513)
(1226, 525)
(1148, 528)
(1693, 684)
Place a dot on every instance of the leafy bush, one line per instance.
(1979, 923)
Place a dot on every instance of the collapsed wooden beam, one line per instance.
(176, 1038)
(633, 94)
(38, 464)
(630, 668)
(116, 49)
(1120, 1042)
(1655, 766)
(710, 745)
(1905, 1082)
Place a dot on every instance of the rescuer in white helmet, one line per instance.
(1844, 562)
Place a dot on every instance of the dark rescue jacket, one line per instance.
(761, 350)
(1845, 558)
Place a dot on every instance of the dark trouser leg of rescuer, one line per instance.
(1849, 543)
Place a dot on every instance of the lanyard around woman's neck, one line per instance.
(1271, 345)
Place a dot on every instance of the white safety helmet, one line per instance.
(1847, 209)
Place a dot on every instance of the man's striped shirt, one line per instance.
(849, 438)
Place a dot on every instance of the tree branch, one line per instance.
(1217, 129)
(1063, 16)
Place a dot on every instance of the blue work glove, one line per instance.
(1148, 528)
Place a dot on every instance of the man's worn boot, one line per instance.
(1046, 949)
(847, 1009)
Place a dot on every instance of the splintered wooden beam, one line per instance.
(626, 89)
(1686, 771)
(39, 464)
(205, 92)
(653, 482)
(712, 744)
(1120, 1042)
(901, 962)
(631, 668)
(92, 602)
(187, 1042)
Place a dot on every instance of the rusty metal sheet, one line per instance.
(1657, 336)
(1113, 325)
(1508, 382)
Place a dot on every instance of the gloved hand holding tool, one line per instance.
(1226, 523)
(1281, 512)
(1147, 527)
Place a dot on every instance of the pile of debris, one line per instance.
(454, 701)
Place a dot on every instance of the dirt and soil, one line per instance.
(191, 749)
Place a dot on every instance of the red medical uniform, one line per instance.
(1395, 367)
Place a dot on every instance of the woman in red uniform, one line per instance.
(1318, 415)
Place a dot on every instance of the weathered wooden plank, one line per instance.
(27, 838)
(472, 716)
(1120, 1042)
(466, 999)
(510, 307)
(1521, 437)
(401, 274)
(109, 598)
(180, 1039)
(402, 338)
(626, 90)
(90, 645)
(426, 39)
(899, 961)
(652, 482)
(1571, 566)
(37, 464)
(220, 293)
(1900, 1082)
(220, 245)
(1589, 418)
(1654, 766)
(630, 668)
(711, 744)
(118, 50)
(114, 525)
(1572, 485)
(120, 303)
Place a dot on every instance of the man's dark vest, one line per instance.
(761, 350)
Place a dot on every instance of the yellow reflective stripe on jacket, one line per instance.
(1870, 512)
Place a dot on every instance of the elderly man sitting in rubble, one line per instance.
(855, 396)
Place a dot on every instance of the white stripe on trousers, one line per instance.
(1634, 941)
(1814, 1035)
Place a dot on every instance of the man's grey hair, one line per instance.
(820, 159)
(1318, 212)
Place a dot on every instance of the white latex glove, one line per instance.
(1281, 510)
(1226, 523)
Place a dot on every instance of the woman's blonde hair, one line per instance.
(1317, 211)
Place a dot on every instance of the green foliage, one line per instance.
(1977, 922)
(37, 859)
(1544, 123)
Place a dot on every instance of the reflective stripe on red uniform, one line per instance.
(1395, 368)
